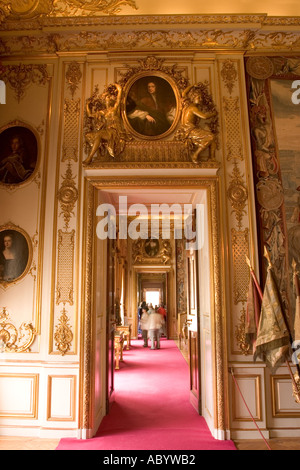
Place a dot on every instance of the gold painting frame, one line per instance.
(135, 86)
(32, 140)
(21, 237)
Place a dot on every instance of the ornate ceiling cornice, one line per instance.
(54, 26)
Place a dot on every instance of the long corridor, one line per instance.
(151, 409)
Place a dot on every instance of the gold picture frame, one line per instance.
(151, 105)
(20, 154)
(16, 254)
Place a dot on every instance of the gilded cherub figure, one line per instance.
(198, 106)
(107, 130)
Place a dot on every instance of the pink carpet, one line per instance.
(151, 409)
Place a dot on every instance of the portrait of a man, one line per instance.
(151, 247)
(18, 155)
(14, 255)
(151, 106)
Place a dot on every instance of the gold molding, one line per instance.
(276, 413)
(73, 380)
(33, 414)
(258, 398)
(128, 39)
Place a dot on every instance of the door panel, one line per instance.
(110, 323)
(193, 327)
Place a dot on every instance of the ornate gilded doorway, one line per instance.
(210, 309)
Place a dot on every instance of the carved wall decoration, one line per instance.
(20, 77)
(65, 267)
(66, 201)
(13, 339)
(238, 194)
(151, 251)
(229, 75)
(71, 129)
(240, 334)
(137, 118)
(73, 77)
(63, 335)
(240, 249)
(181, 277)
(233, 128)
(68, 195)
(197, 104)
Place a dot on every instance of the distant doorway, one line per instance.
(153, 297)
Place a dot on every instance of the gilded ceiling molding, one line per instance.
(52, 19)
(100, 39)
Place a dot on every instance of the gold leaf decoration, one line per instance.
(63, 335)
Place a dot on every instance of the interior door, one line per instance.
(110, 323)
(193, 330)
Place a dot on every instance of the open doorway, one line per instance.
(208, 316)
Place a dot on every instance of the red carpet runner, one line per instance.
(151, 409)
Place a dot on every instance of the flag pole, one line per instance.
(296, 386)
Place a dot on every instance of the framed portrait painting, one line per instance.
(15, 254)
(151, 105)
(19, 154)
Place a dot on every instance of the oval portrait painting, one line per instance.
(18, 155)
(151, 247)
(15, 254)
(151, 106)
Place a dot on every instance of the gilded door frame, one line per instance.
(211, 184)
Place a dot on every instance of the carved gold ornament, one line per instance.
(198, 105)
(240, 334)
(229, 74)
(238, 194)
(20, 77)
(68, 195)
(13, 339)
(63, 335)
(104, 128)
(73, 77)
(151, 251)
